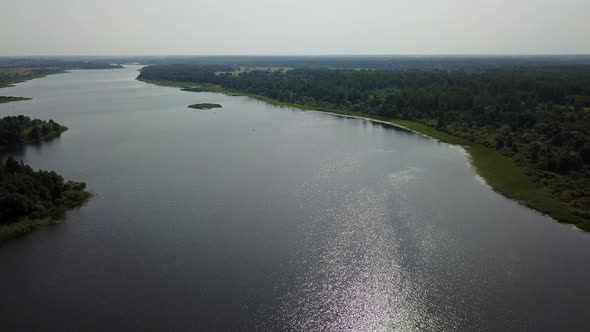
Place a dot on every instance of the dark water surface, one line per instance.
(255, 217)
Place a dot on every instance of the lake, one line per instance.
(255, 217)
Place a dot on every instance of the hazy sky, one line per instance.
(109, 27)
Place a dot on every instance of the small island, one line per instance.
(20, 130)
(204, 106)
(8, 99)
(31, 199)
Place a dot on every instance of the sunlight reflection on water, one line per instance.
(355, 281)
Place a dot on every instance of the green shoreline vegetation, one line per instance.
(19, 130)
(497, 161)
(204, 106)
(8, 99)
(31, 199)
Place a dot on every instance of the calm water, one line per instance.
(254, 217)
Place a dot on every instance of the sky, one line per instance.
(293, 27)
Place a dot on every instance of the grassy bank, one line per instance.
(27, 225)
(505, 176)
(500, 172)
(22, 227)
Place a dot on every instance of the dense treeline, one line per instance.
(185, 73)
(389, 62)
(19, 130)
(445, 63)
(35, 194)
(30, 199)
(537, 116)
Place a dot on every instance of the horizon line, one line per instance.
(310, 55)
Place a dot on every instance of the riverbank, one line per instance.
(20, 130)
(501, 173)
(32, 199)
(26, 225)
(8, 99)
(11, 76)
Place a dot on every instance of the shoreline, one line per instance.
(26, 225)
(57, 214)
(499, 172)
(12, 84)
(56, 134)
(12, 99)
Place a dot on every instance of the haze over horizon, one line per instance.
(288, 27)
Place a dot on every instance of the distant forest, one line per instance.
(465, 63)
(14, 70)
(381, 62)
(9, 76)
(539, 116)
(57, 62)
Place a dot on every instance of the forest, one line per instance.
(19, 130)
(25, 192)
(28, 198)
(377, 62)
(538, 116)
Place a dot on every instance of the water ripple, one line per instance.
(356, 279)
